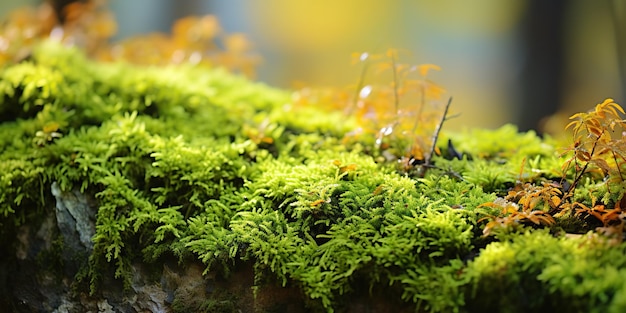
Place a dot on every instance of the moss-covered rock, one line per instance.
(181, 165)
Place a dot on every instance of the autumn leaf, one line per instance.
(423, 69)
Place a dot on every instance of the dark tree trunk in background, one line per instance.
(542, 36)
(58, 6)
(618, 8)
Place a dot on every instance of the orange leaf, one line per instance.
(583, 155)
(574, 124)
(392, 53)
(237, 43)
(601, 163)
(578, 116)
(555, 202)
(379, 190)
(547, 220)
(347, 168)
(489, 204)
(424, 68)
(317, 202)
(617, 107)
(533, 218)
(381, 67)
(613, 215)
(596, 130)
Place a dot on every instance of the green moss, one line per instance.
(536, 271)
(524, 154)
(197, 163)
(502, 143)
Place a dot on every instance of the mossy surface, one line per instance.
(196, 163)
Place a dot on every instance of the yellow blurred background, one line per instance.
(484, 47)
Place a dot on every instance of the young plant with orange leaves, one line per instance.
(599, 146)
(525, 204)
(404, 114)
(598, 153)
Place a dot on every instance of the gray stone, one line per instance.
(105, 307)
(75, 218)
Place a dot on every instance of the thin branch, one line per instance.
(396, 98)
(578, 175)
(437, 131)
(619, 170)
(360, 85)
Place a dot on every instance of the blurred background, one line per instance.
(528, 62)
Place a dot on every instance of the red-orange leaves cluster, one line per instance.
(89, 25)
(193, 40)
(525, 204)
(85, 24)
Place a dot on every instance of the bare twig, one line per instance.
(437, 131)
(360, 84)
(396, 98)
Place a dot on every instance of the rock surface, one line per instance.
(75, 216)
(47, 257)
